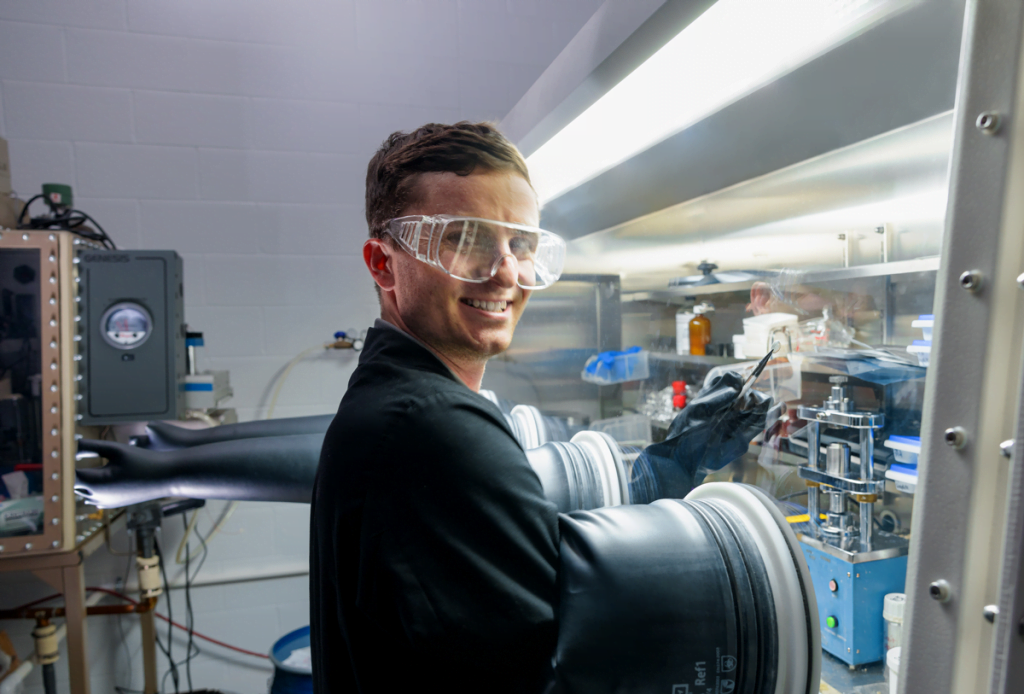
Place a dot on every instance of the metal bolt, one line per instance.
(955, 437)
(991, 612)
(971, 280)
(28, 546)
(55, 544)
(988, 122)
(939, 590)
(1020, 280)
(1006, 448)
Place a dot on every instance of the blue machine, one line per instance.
(852, 566)
(850, 590)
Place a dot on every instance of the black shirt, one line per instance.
(432, 547)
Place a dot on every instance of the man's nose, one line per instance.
(505, 270)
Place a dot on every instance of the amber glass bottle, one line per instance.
(700, 329)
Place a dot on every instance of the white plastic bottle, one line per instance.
(683, 318)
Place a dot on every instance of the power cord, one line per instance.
(189, 578)
(68, 219)
(173, 667)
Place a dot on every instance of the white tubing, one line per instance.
(9, 685)
(11, 682)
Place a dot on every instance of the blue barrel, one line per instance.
(291, 679)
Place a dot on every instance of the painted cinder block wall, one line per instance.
(237, 133)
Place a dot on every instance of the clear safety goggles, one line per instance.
(473, 249)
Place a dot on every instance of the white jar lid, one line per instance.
(892, 659)
(892, 606)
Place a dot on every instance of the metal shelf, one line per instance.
(901, 267)
(694, 359)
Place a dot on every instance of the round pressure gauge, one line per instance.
(126, 325)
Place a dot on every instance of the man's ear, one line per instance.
(377, 256)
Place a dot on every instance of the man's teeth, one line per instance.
(497, 306)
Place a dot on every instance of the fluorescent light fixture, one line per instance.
(732, 49)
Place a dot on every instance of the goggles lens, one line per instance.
(474, 250)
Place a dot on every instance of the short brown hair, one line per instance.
(460, 148)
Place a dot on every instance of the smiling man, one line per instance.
(433, 549)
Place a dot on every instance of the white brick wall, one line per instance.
(237, 132)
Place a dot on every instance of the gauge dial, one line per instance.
(126, 325)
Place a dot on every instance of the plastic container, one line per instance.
(293, 673)
(904, 476)
(893, 605)
(759, 330)
(683, 318)
(627, 430)
(892, 663)
(926, 323)
(739, 342)
(923, 350)
(617, 367)
(906, 449)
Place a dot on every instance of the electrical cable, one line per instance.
(170, 618)
(120, 627)
(221, 522)
(198, 635)
(163, 681)
(126, 598)
(66, 221)
(190, 617)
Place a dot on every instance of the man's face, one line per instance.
(438, 308)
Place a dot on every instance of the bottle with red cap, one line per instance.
(678, 395)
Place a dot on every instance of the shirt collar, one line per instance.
(382, 324)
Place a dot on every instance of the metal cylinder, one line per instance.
(867, 509)
(837, 460)
(813, 446)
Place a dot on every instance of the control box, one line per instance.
(850, 598)
(131, 336)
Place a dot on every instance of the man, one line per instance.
(433, 549)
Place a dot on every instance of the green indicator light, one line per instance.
(832, 622)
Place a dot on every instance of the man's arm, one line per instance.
(464, 546)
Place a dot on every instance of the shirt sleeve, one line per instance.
(462, 544)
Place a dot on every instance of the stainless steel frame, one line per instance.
(56, 309)
(973, 382)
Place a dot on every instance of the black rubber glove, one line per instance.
(164, 435)
(278, 468)
(712, 431)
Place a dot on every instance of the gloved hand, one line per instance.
(273, 468)
(712, 431)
